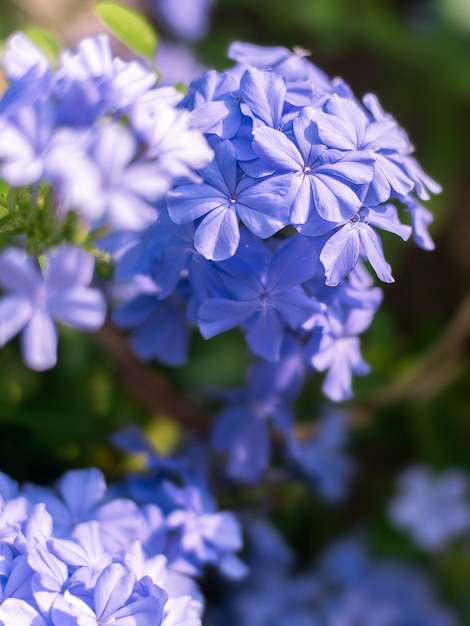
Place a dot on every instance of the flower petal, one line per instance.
(39, 341)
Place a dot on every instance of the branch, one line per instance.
(149, 387)
(439, 367)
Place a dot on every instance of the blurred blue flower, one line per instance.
(322, 458)
(187, 19)
(35, 299)
(433, 509)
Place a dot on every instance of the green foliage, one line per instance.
(130, 27)
(31, 213)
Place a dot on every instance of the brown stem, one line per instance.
(149, 387)
(438, 368)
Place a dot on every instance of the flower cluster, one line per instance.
(274, 236)
(110, 145)
(83, 554)
(347, 586)
(262, 227)
(273, 239)
(252, 203)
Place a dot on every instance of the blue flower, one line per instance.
(322, 458)
(188, 19)
(159, 326)
(35, 299)
(125, 187)
(21, 55)
(204, 535)
(334, 345)
(433, 509)
(323, 180)
(91, 82)
(26, 134)
(118, 599)
(304, 80)
(356, 239)
(222, 199)
(266, 300)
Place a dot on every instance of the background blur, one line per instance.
(415, 406)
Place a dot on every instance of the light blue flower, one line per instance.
(35, 299)
(434, 509)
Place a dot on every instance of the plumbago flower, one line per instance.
(35, 299)
(432, 509)
(80, 554)
(187, 19)
(300, 166)
(107, 145)
(240, 205)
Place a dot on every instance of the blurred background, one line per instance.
(415, 405)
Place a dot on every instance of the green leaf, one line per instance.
(130, 27)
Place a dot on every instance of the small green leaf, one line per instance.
(3, 211)
(182, 87)
(130, 27)
(45, 41)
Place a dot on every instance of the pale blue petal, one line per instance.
(386, 217)
(420, 219)
(68, 266)
(18, 272)
(79, 307)
(218, 235)
(371, 246)
(275, 148)
(113, 588)
(294, 306)
(397, 178)
(337, 384)
(146, 611)
(16, 612)
(82, 490)
(264, 93)
(207, 117)
(355, 167)
(222, 172)
(302, 199)
(292, 265)
(114, 149)
(128, 211)
(147, 180)
(15, 312)
(266, 334)
(189, 202)
(340, 254)
(39, 341)
(262, 212)
(217, 315)
(334, 200)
